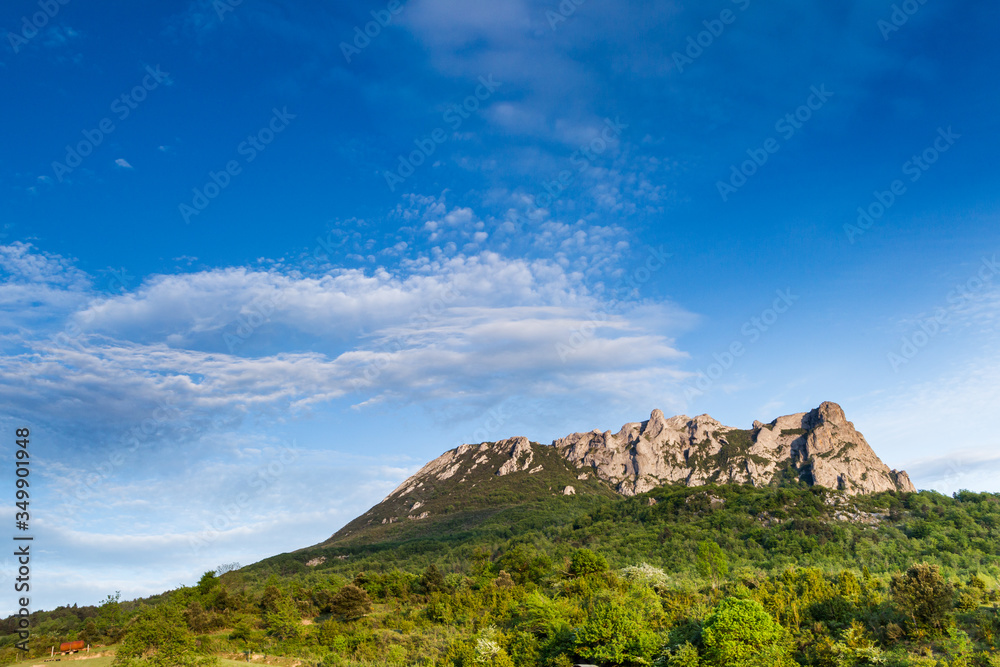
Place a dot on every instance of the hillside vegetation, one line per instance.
(713, 576)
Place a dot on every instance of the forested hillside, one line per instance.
(729, 575)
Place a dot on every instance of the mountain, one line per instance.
(818, 447)
(470, 483)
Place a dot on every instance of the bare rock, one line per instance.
(820, 447)
(520, 453)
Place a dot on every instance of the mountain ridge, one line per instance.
(819, 447)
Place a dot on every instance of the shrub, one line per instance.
(922, 594)
(585, 561)
(739, 633)
(351, 602)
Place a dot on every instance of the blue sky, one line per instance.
(257, 266)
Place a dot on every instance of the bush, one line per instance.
(616, 631)
(351, 602)
(585, 561)
(922, 594)
(739, 633)
(159, 636)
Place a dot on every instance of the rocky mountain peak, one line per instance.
(819, 447)
(829, 413)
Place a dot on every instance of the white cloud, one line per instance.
(966, 468)
(215, 344)
(38, 287)
(456, 334)
(932, 426)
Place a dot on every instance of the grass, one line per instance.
(107, 660)
(103, 661)
(271, 660)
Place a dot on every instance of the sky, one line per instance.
(260, 261)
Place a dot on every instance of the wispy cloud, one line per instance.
(468, 328)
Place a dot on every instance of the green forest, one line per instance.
(718, 576)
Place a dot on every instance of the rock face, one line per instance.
(476, 478)
(517, 455)
(819, 447)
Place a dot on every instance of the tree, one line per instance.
(351, 602)
(207, 583)
(111, 618)
(432, 581)
(227, 567)
(89, 633)
(740, 633)
(488, 649)
(617, 632)
(524, 564)
(158, 636)
(271, 598)
(685, 655)
(645, 574)
(585, 561)
(283, 621)
(711, 562)
(245, 633)
(322, 597)
(199, 620)
(924, 595)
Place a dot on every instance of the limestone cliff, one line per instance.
(819, 447)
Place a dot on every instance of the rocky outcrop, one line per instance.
(839, 457)
(517, 454)
(819, 447)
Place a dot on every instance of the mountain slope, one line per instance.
(467, 485)
(471, 483)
